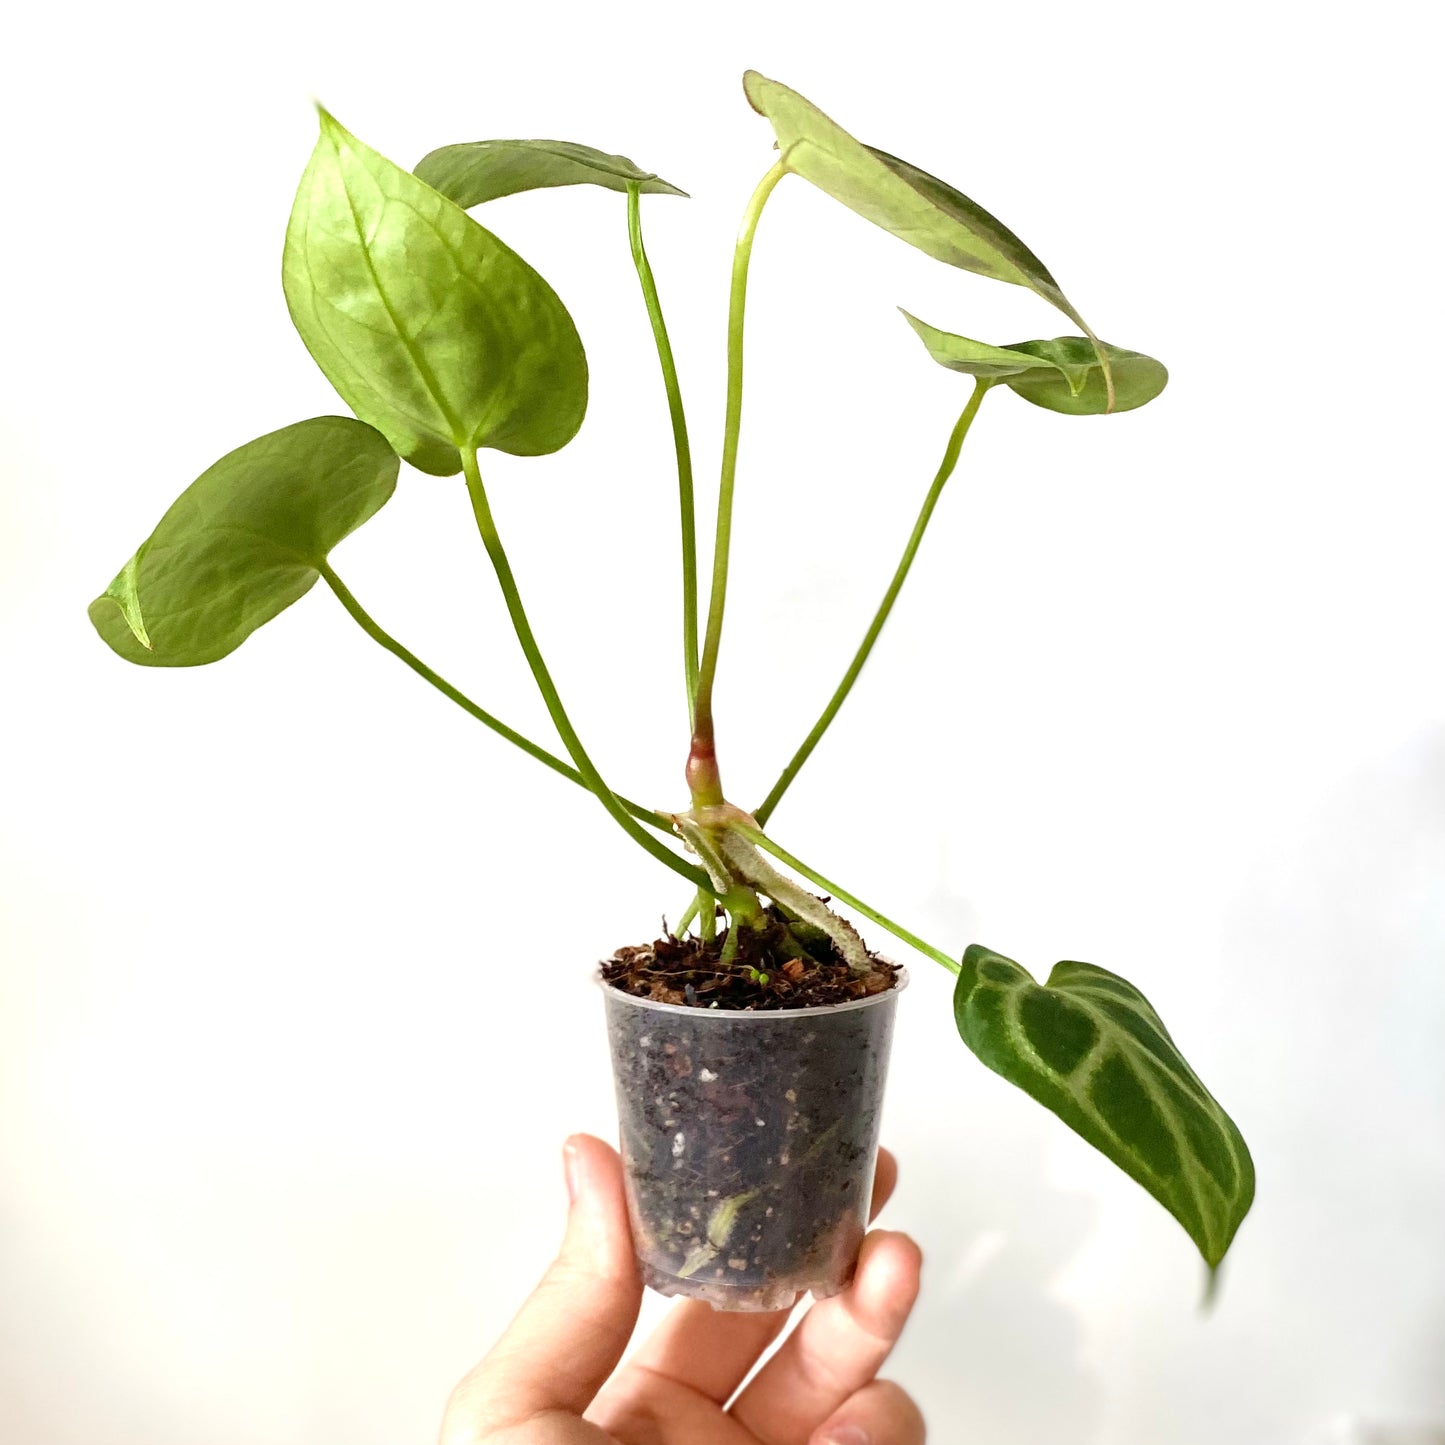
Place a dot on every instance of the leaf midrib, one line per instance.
(424, 371)
(638, 179)
(1128, 1045)
(1075, 1083)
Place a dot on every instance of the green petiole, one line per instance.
(702, 765)
(487, 527)
(379, 635)
(945, 470)
(699, 902)
(760, 839)
(679, 442)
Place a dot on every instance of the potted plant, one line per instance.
(750, 1042)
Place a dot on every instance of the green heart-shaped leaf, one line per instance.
(482, 170)
(1078, 386)
(915, 206)
(1063, 374)
(431, 329)
(1088, 1046)
(244, 541)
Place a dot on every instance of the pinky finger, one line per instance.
(881, 1413)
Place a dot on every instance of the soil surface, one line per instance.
(780, 965)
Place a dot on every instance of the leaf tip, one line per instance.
(752, 79)
(921, 329)
(132, 618)
(124, 593)
(1210, 1298)
(328, 122)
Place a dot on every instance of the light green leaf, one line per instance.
(244, 541)
(1137, 378)
(1062, 374)
(431, 329)
(978, 358)
(482, 170)
(915, 206)
(1088, 1046)
(125, 594)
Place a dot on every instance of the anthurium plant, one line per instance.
(446, 344)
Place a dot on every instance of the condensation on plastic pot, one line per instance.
(749, 1141)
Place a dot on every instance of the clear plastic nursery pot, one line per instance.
(748, 1140)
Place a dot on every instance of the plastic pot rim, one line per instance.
(900, 982)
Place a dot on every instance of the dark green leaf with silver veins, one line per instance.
(911, 204)
(244, 541)
(1088, 1046)
(478, 171)
(433, 330)
(1060, 375)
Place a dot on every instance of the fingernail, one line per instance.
(847, 1435)
(571, 1165)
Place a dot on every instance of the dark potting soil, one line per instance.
(749, 1141)
(781, 965)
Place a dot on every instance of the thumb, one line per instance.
(571, 1332)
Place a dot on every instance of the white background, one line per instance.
(279, 1102)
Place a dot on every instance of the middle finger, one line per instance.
(836, 1349)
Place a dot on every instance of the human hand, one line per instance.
(544, 1381)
